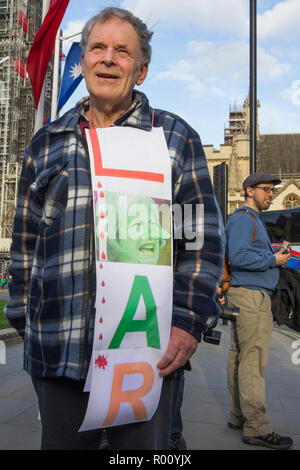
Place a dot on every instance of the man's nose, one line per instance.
(108, 56)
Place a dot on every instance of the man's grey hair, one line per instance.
(112, 12)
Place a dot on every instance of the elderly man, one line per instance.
(53, 282)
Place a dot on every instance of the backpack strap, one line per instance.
(252, 217)
(227, 270)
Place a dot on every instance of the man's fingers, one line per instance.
(169, 356)
(181, 347)
(179, 361)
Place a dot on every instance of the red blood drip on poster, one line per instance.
(101, 362)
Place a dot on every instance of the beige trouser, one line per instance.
(248, 357)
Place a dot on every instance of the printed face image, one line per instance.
(145, 248)
(135, 232)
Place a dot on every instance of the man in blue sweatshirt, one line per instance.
(254, 277)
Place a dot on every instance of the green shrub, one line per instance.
(3, 320)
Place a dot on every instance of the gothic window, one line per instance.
(291, 201)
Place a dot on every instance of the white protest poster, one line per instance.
(131, 178)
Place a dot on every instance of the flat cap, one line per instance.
(257, 178)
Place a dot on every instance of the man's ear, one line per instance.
(143, 73)
(250, 191)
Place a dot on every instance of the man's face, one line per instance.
(262, 198)
(113, 63)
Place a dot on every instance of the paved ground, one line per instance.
(205, 408)
(4, 295)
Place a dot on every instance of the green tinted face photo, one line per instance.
(143, 244)
(134, 230)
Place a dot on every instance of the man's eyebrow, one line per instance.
(120, 45)
(123, 45)
(96, 43)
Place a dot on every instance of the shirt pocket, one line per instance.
(51, 187)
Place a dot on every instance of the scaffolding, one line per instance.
(19, 22)
(236, 123)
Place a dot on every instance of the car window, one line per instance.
(277, 225)
(295, 228)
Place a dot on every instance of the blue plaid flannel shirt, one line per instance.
(52, 272)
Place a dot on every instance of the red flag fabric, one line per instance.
(23, 21)
(62, 56)
(20, 67)
(42, 46)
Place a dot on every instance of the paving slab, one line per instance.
(10, 408)
(16, 437)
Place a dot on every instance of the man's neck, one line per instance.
(105, 115)
(252, 205)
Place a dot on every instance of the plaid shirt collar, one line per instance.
(138, 115)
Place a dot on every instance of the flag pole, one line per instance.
(39, 116)
(4, 60)
(55, 77)
(253, 87)
(69, 37)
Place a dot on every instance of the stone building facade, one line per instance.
(278, 154)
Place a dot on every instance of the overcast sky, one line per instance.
(200, 61)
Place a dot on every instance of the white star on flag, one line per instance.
(75, 71)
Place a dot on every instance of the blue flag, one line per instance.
(72, 75)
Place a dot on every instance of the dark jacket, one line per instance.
(286, 299)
